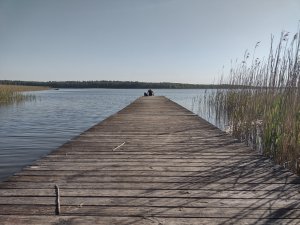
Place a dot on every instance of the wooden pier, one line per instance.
(157, 163)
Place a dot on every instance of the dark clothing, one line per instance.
(145, 94)
(150, 92)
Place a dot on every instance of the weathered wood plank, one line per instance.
(97, 220)
(136, 163)
(175, 179)
(174, 212)
(215, 169)
(154, 202)
(154, 193)
(154, 185)
(67, 159)
(258, 173)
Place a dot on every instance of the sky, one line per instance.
(186, 41)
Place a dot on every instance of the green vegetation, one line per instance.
(266, 117)
(114, 84)
(14, 93)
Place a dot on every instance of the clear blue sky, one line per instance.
(141, 40)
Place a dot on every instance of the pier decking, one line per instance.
(156, 163)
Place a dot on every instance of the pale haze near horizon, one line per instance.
(187, 41)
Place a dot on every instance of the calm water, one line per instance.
(31, 130)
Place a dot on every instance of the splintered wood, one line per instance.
(154, 162)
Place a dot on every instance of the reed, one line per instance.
(265, 112)
(15, 93)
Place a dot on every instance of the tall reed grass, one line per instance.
(265, 112)
(15, 93)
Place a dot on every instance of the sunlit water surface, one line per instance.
(32, 129)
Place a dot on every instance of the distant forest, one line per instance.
(113, 84)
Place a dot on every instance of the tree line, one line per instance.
(113, 84)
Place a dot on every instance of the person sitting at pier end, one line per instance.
(145, 94)
(150, 92)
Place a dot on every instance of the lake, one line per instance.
(32, 129)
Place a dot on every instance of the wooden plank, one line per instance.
(138, 155)
(154, 185)
(175, 179)
(258, 173)
(215, 169)
(137, 163)
(142, 220)
(67, 159)
(154, 202)
(153, 193)
(174, 212)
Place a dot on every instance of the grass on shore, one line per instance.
(15, 93)
(267, 116)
